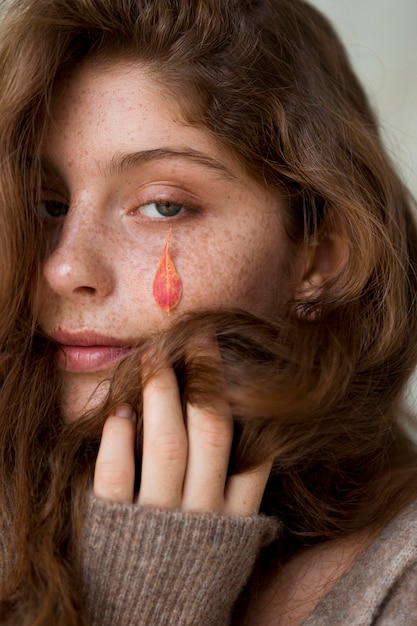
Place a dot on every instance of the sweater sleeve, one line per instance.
(400, 606)
(143, 566)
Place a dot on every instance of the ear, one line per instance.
(318, 262)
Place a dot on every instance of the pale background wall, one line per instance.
(381, 38)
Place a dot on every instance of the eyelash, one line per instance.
(184, 209)
(41, 208)
(139, 209)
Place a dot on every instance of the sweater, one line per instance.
(146, 567)
(150, 567)
(380, 589)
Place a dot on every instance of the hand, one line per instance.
(184, 467)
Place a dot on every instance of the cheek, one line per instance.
(242, 270)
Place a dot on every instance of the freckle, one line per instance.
(70, 163)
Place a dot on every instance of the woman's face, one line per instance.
(122, 170)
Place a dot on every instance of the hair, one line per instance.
(318, 387)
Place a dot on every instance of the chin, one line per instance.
(82, 394)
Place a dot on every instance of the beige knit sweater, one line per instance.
(143, 567)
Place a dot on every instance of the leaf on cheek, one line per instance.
(167, 286)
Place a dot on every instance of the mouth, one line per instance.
(88, 352)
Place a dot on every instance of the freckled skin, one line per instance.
(229, 249)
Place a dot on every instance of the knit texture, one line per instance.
(145, 566)
(381, 587)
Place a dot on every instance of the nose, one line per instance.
(80, 263)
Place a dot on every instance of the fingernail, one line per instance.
(126, 411)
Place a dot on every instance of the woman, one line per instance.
(208, 312)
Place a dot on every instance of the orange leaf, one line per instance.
(167, 286)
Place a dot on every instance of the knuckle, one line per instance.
(169, 447)
(216, 433)
(164, 381)
(114, 477)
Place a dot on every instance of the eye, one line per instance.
(52, 208)
(161, 209)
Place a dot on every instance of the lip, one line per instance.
(89, 352)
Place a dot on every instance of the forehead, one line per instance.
(108, 119)
(109, 107)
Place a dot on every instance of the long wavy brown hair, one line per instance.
(319, 386)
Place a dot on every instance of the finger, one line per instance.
(114, 475)
(210, 436)
(164, 443)
(244, 492)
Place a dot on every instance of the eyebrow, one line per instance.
(124, 162)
